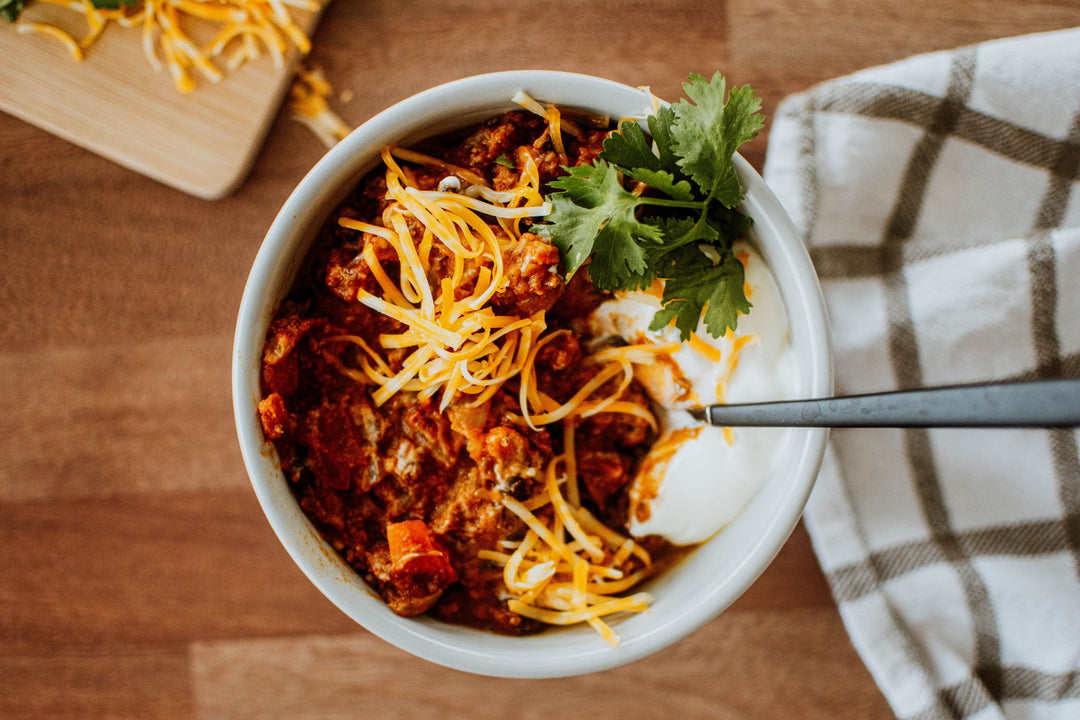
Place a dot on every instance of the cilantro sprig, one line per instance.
(111, 4)
(11, 9)
(683, 229)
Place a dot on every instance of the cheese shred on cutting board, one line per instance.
(242, 30)
(309, 106)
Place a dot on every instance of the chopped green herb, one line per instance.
(682, 231)
(699, 286)
(10, 9)
(505, 162)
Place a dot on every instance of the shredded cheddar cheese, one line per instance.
(458, 344)
(309, 106)
(27, 28)
(556, 123)
(709, 352)
(242, 30)
(570, 568)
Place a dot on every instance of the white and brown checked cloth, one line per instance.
(940, 198)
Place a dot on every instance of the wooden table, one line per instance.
(140, 577)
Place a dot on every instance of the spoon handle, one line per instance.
(1032, 404)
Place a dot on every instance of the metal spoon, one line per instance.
(1033, 404)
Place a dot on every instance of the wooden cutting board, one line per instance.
(113, 103)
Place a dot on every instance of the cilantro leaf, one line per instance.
(679, 232)
(706, 288)
(505, 162)
(10, 9)
(572, 229)
(660, 128)
(595, 215)
(629, 149)
(665, 182)
(627, 266)
(707, 132)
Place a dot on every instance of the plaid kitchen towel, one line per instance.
(940, 198)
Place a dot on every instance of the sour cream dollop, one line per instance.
(697, 479)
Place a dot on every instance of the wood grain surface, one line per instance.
(140, 578)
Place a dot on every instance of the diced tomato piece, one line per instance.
(413, 550)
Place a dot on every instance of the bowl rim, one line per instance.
(315, 195)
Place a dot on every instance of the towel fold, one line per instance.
(940, 199)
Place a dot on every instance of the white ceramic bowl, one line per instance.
(688, 594)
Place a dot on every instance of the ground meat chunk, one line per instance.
(471, 598)
(280, 365)
(403, 460)
(273, 416)
(407, 594)
(604, 473)
(472, 516)
(500, 136)
(618, 430)
(510, 459)
(338, 453)
(532, 271)
(486, 144)
(588, 151)
(442, 265)
(373, 425)
(428, 429)
(505, 177)
(562, 353)
(347, 274)
(324, 505)
(548, 163)
(580, 297)
(469, 421)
